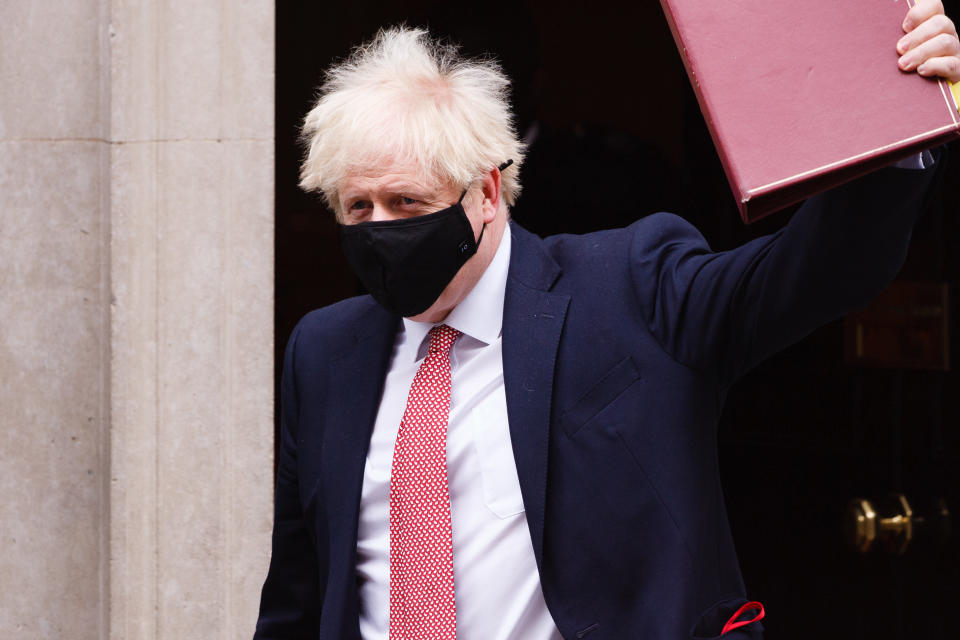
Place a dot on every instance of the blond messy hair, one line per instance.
(406, 98)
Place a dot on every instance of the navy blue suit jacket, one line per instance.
(618, 347)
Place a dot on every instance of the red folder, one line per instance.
(801, 96)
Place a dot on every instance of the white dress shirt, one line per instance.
(496, 584)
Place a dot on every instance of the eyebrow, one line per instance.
(399, 188)
(407, 187)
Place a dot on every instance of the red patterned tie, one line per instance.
(421, 541)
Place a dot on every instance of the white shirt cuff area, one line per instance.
(919, 161)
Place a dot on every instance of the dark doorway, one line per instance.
(617, 134)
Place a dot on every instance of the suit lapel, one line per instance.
(356, 383)
(533, 320)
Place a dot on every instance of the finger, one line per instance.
(928, 29)
(940, 45)
(944, 67)
(922, 10)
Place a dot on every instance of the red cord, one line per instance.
(733, 623)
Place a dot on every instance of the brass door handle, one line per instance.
(887, 525)
(860, 524)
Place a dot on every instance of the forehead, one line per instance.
(391, 175)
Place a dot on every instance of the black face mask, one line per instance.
(406, 264)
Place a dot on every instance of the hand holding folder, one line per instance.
(802, 96)
(930, 46)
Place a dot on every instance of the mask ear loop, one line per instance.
(501, 167)
(482, 229)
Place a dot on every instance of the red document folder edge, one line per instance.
(801, 97)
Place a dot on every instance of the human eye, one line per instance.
(358, 209)
(408, 201)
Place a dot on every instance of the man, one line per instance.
(514, 438)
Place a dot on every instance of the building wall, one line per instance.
(136, 302)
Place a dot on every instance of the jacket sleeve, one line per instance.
(724, 312)
(289, 603)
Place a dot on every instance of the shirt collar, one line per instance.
(480, 314)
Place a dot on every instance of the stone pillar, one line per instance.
(54, 332)
(136, 306)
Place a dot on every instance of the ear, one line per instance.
(490, 189)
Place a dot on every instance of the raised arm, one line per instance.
(724, 312)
